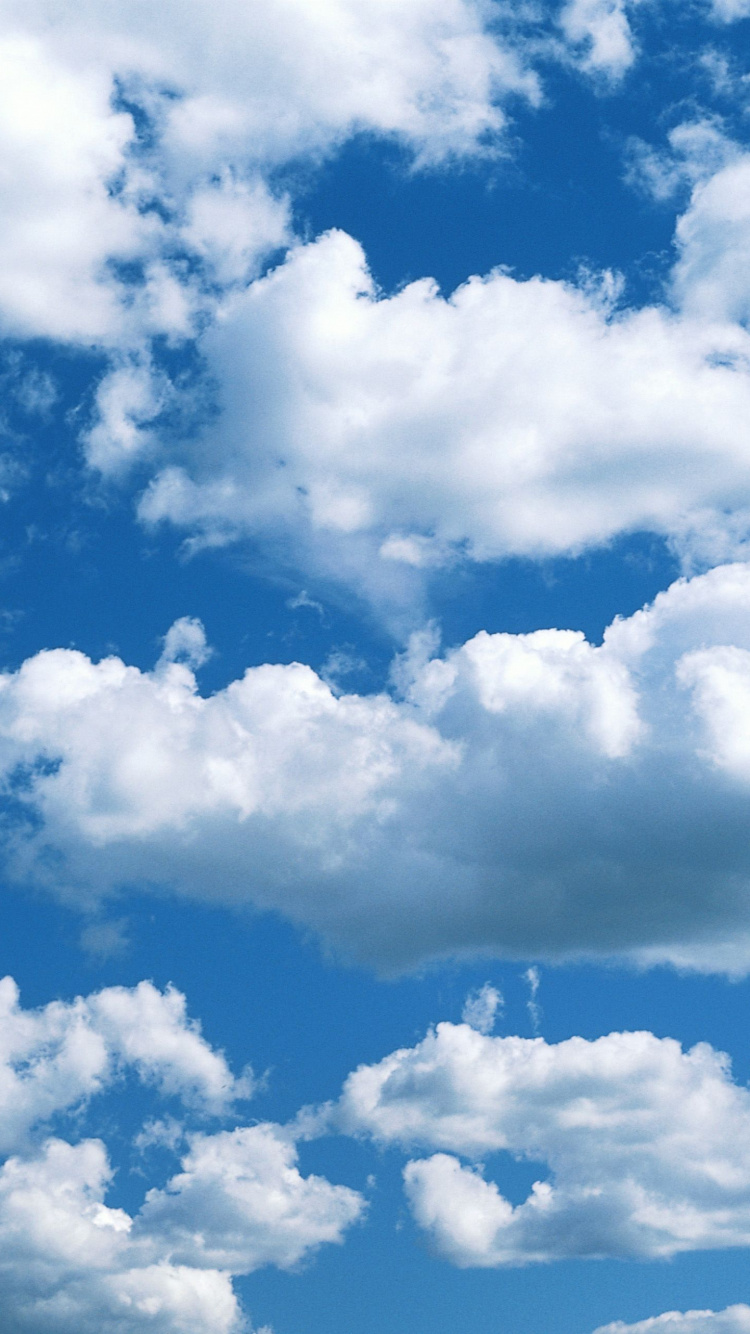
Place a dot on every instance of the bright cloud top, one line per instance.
(69, 1262)
(646, 1144)
(410, 827)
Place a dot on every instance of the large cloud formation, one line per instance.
(520, 794)
(69, 1263)
(647, 1145)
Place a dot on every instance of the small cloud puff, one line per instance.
(481, 1007)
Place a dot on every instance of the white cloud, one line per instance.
(603, 29)
(57, 1058)
(734, 1320)
(70, 1263)
(729, 11)
(252, 1204)
(64, 1266)
(710, 278)
(698, 150)
(527, 795)
(229, 94)
(185, 641)
(480, 1008)
(381, 436)
(646, 1145)
(62, 146)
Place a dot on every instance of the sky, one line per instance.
(375, 667)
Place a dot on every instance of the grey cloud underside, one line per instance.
(525, 795)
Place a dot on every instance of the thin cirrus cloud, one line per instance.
(412, 826)
(385, 436)
(645, 1144)
(70, 1263)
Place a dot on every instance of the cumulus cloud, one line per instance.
(712, 235)
(602, 29)
(56, 1058)
(734, 1320)
(143, 138)
(68, 1266)
(384, 436)
(523, 795)
(70, 1263)
(253, 1205)
(646, 1145)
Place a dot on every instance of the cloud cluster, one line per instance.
(525, 795)
(646, 1145)
(69, 1263)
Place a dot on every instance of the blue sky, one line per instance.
(375, 650)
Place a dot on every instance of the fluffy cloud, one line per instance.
(138, 137)
(522, 794)
(69, 1263)
(382, 436)
(646, 1144)
(68, 1266)
(481, 1008)
(253, 1206)
(137, 143)
(713, 236)
(603, 29)
(735, 1320)
(56, 1058)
